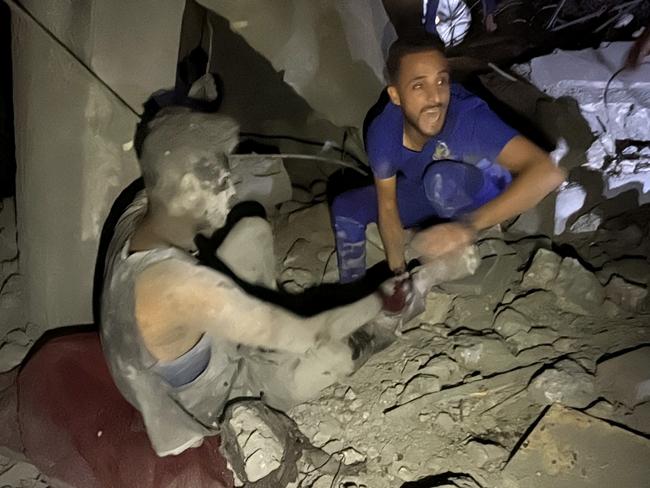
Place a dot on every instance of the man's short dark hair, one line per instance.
(403, 46)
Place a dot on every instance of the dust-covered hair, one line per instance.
(409, 45)
(175, 133)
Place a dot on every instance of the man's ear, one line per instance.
(394, 95)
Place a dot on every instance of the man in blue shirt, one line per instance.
(436, 151)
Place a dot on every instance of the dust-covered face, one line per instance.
(188, 153)
(205, 193)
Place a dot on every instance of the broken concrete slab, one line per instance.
(569, 449)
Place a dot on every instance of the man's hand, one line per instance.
(396, 293)
(442, 239)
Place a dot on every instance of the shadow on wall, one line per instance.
(257, 94)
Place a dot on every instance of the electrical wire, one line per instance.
(301, 140)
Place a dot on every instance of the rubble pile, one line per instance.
(450, 401)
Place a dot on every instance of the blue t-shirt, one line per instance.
(472, 132)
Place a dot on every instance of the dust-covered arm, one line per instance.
(390, 224)
(179, 295)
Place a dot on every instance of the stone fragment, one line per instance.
(261, 451)
(352, 456)
(487, 356)
(509, 322)
(625, 378)
(577, 290)
(542, 271)
(483, 454)
(628, 295)
(437, 308)
(473, 313)
(566, 383)
(445, 421)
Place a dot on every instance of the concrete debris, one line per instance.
(566, 383)
(625, 378)
(568, 449)
(15, 471)
(510, 322)
(543, 271)
(616, 106)
(437, 307)
(486, 454)
(577, 289)
(260, 449)
(488, 356)
(261, 179)
(473, 313)
(629, 296)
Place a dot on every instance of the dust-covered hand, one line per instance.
(442, 239)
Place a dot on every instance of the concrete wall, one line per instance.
(330, 53)
(73, 133)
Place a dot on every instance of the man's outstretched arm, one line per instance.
(535, 177)
(176, 295)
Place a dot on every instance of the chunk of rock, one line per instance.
(625, 294)
(483, 455)
(542, 271)
(437, 308)
(473, 313)
(577, 289)
(510, 322)
(566, 383)
(261, 451)
(487, 356)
